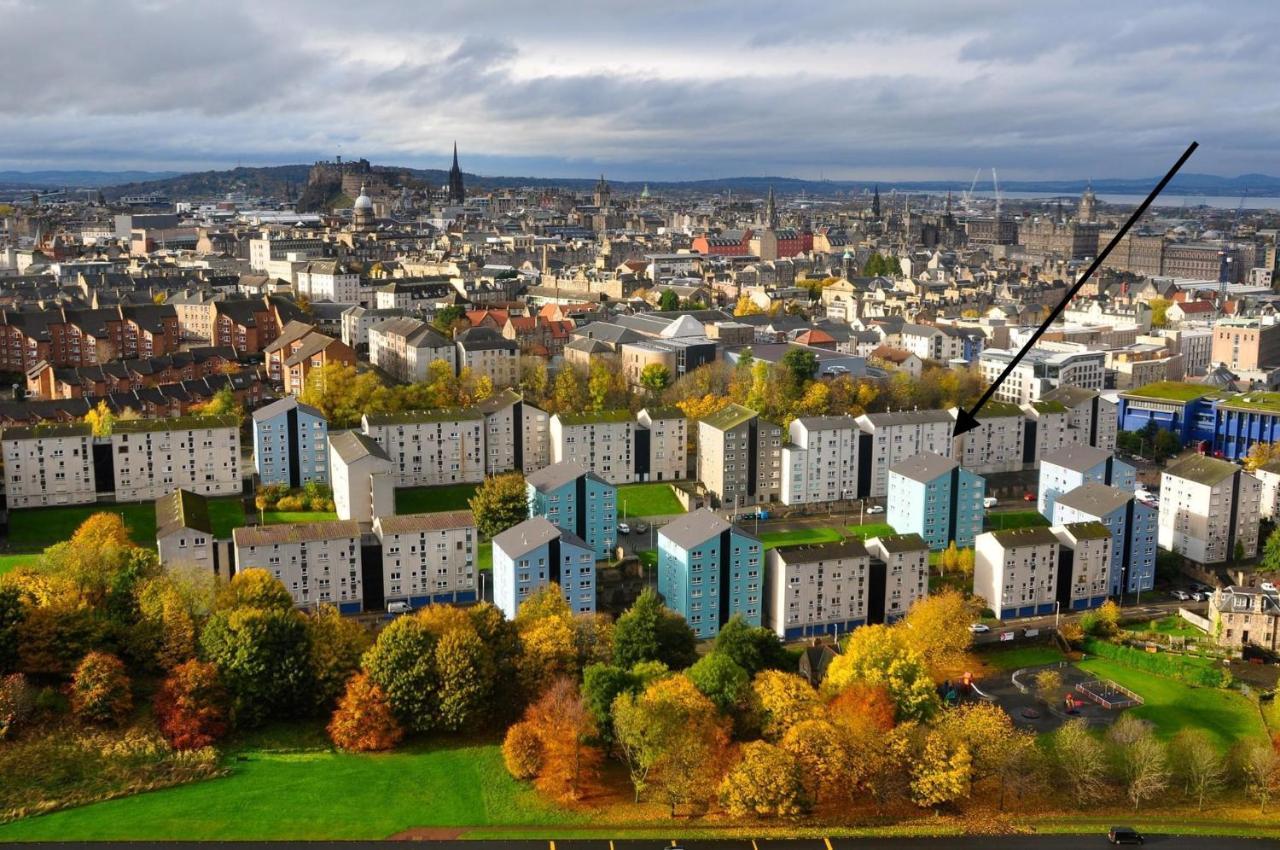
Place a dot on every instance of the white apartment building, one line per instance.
(328, 280)
(357, 320)
(405, 349)
(1049, 428)
(263, 252)
(486, 352)
(1208, 507)
(820, 463)
(996, 445)
(1091, 416)
(48, 465)
(1042, 370)
(1084, 548)
(153, 457)
(603, 443)
(360, 473)
(893, 437)
(668, 435)
(428, 558)
(183, 532)
(904, 560)
(1269, 475)
(318, 562)
(816, 590)
(1016, 571)
(431, 447)
(516, 434)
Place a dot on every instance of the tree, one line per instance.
(344, 394)
(565, 727)
(753, 648)
(940, 774)
(1141, 758)
(1259, 770)
(1166, 445)
(720, 680)
(1260, 454)
(336, 644)
(668, 301)
(876, 655)
(522, 751)
(363, 721)
(500, 503)
(801, 367)
(672, 739)
(192, 706)
(101, 420)
(938, 626)
(782, 700)
(649, 631)
(223, 403)
(465, 672)
(10, 620)
(17, 704)
(863, 706)
(1080, 760)
(402, 663)
(949, 559)
(606, 386)
(1198, 764)
(100, 690)
(1048, 684)
(744, 306)
(447, 317)
(254, 588)
(602, 684)
(655, 378)
(548, 638)
(1159, 312)
(823, 751)
(765, 782)
(264, 660)
(568, 395)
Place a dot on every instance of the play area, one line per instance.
(1099, 701)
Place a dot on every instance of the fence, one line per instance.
(1162, 664)
(1108, 694)
(1196, 620)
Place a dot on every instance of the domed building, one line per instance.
(362, 212)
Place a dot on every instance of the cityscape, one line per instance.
(560, 464)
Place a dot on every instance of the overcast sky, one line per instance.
(646, 90)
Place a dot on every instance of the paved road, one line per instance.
(1002, 842)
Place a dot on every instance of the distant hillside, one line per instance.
(77, 179)
(291, 180)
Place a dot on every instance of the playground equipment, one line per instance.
(1108, 694)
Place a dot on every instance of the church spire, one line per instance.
(771, 211)
(875, 202)
(457, 192)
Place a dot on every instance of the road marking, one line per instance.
(753, 845)
(827, 841)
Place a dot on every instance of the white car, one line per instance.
(876, 509)
(400, 607)
(1181, 595)
(623, 528)
(979, 628)
(990, 502)
(1268, 587)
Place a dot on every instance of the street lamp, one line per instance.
(1057, 610)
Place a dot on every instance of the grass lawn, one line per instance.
(314, 794)
(425, 500)
(1171, 625)
(34, 529)
(648, 500)
(225, 515)
(484, 556)
(803, 536)
(12, 562)
(871, 529)
(1173, 706)
(280, 517)
(1015, 658)
(1014, 519)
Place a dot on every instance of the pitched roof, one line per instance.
(352, 446)
(182, 509)
(526, 536)
(298, 532)
(1203, 469)
(696, 528)
(923, 467)
(436, 521)
(1095, 499)
(284, 405)
(556, 475)
(1077, 457)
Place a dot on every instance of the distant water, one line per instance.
(1166, 199)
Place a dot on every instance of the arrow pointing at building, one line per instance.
(967, 420)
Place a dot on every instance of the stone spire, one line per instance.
(457, 192)
(771, 211)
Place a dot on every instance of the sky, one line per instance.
(904, 90)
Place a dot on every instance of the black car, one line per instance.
(1124, 835)
(642, 528)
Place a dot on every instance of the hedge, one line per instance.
(1161, 663)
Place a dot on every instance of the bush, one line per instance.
(269, 494)
(1162, 664)
(522, 751)
(17, 704)
(191, 707)
(292, 503)
(100, 690)
(363, 721)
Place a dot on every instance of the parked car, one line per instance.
(1197, 596)
(623, 528)
(1268, 587)
(400, 607)
(979, 628)
(1028, 497)
(1180, 594)
(876, 509)
(642, 528)
(1124, 835)
(990, 502)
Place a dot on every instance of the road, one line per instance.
(979, 842)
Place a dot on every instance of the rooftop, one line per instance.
(591, 418)
(696, 528)
(1034, 536)
(437, 521)
(1088, 530)
(924, 467)
(1269, 402)
(730, 416)
(803, 554)
(413, 417)
(182, 509)
(301, 532)
(897, 543)
(1170, 391)
(1203, 469)
(1077, 457)
(526, 536)
(352, 445)
(1095, 499)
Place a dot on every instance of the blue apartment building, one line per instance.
(709, 570)
(570, 496)
(1133, 531)
(1069, 467)
(290, 443)
(534, 554)
(934, 497)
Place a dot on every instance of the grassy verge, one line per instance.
(424, 500)
(281, 517)
(1015, 658)
(35, 529)
(648, 500)
(871, 529)
(799, 537)
(1002, 520)
(12, 562)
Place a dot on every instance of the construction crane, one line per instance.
(995, 184)
(1224, 253)
(967, 198)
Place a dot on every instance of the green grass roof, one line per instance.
(996, 409)
(179, 423)
(1269, 402)
(411, 417)
(591, 418)
(1171, 391)
(730, 416)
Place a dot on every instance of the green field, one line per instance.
(1014, 519)
(225, 515)
(425, 500)
(800, 537)
(1015, 658)
(12, 562)
(281, 517)
(648, 500)
(1172, 625)
(484, 556)
(1173, 706)
(314, 794)
(34, 529)
(870, 529)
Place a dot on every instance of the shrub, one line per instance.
(291, 503)
(363, 721)
(191, 707)
(522, 751)
(269, 494)
(1162, 664)
(100, 690)
(17, 704)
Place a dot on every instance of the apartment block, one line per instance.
(1269, 475)
(428, 558)
(534, 554)
(996, 445)
(1210, 510)
(666, 431)
(486, 352)
(516, 434)
(362, 477)
(405, 349)
(888, 438)
(318, 562)
(604, 443)
(1091, 416)
(1042, 370)
(817, 590)
(1084, 564)
(1133, 531)
(49, 464)
(709, 570)
(820, 461)
(153, 457)
(1016, 571)
(184, 534)
(290, 443)
(740, 457)
(936, 498)
(428, 448)
(1066, 469)
(899, 576)
(570, 496)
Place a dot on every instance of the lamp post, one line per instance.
(1057, 611)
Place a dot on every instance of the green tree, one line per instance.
(264, 660)
(668, 301)
(336, 644)
(1166, 445)
(1159, 312)
(1271, 553)
(720, 680)
(753, 648)
(446, 317)
(499, 503)
(602, 684)
(402, 663)
(801, 366)
(649, 631)
(655, 378)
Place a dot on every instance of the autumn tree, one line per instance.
(547, 637)
(1140, 759)
(1048, 686)
(570, 763)
(363, 721)
(500, 503)
(823, 750)
(720, 680)
(940, 774)
(264, 659)
(336, 644)
(10, 618)
(1260, 454)
(254, 588)
(602, 684)
(1258, 768)
(766, 782)
(1197, 764)
(568, 392)
(344, 394)
(782, 700)
(862, 705)
(655, 378)
(744, 306)
(522, 751)
(100, 691)
(938, 626)
(877, 655)
(1080, 760)
(192, 707)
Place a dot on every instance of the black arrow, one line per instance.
(967, 420)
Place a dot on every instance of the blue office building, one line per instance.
(1067, 468)
(570, 496)
(290, 443)
(534, 554)
(935, 497)
(1133, 531)
(709, 570)
(1230, 423)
